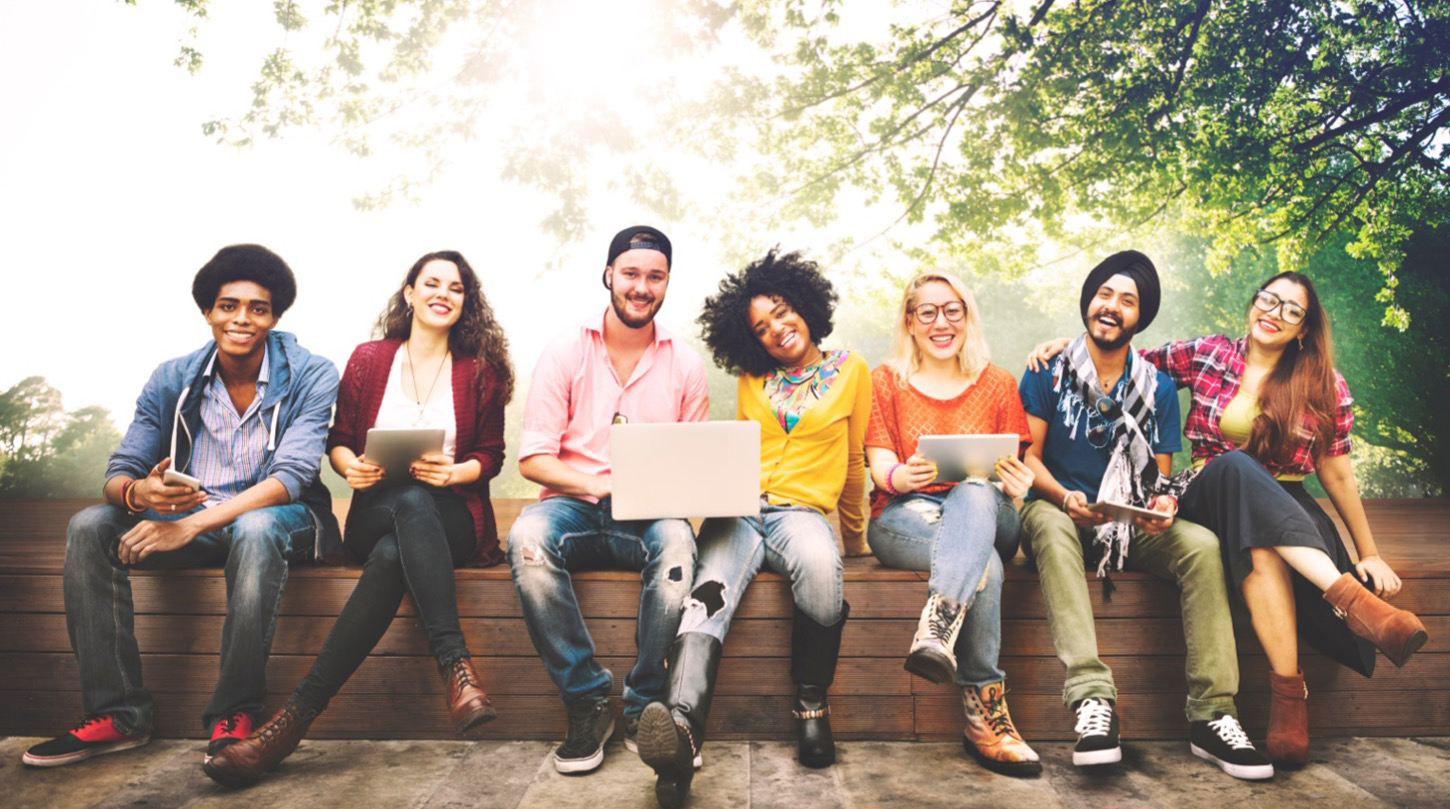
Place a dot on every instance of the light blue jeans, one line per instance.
(254, 551)
(793, 541)
(558, 535)
(952, 534)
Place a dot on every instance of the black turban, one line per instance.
(1136, 266)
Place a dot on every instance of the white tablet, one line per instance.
(396, 448)
(958, 457)
(1122, 512)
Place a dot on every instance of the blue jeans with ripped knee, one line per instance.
(793, 541)
(953, 535)
(559, 535)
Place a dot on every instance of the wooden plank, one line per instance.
(189, 634)
(417, 675)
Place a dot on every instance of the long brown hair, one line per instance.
(1299, 394)
(476, 334)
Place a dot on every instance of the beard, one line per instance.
(621, 311)
(1125, 333)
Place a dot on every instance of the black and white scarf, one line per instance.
(1132, 474)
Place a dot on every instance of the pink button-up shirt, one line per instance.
(575, 395)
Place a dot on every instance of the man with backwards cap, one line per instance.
(1104, 427)
(616, 366)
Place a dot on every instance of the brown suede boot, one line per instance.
(468, 704)
(242, 763)
(1396, 632)
(1288, 739)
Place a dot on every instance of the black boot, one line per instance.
(671, 732)
(813, 652)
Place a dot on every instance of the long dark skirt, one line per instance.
(1236, 498)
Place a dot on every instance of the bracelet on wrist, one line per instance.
(891, 487)
(126, 497)
(1064, 500)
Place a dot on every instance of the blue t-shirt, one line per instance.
(1071, 456)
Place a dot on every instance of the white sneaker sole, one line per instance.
(588, 763)
(1247, 772)
(1093, 758)
(80, 755)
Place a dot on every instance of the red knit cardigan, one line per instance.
(480, 428)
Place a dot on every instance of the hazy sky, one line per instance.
(111, 199)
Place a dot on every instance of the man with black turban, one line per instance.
(1104, 426)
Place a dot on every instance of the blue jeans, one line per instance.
(254, 550)
(952, 534)
(563, 534)
(790, 540)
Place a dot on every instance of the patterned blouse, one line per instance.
(793, 391)
(1212, 367)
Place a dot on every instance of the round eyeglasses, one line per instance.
(1266, 302)
(926, 313)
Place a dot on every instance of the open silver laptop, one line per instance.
(688, 469)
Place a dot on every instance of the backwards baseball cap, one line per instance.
(1136, 266)
(640, 237)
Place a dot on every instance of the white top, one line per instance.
(398, 410)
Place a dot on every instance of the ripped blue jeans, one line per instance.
(559, 535)
(952, 534)
(793, 541)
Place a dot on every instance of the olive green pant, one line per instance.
(1187, 555)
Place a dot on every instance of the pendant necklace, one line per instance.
(413, 373)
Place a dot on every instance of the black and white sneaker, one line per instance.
(1097, 733)
(590, 725)
(1223, 742)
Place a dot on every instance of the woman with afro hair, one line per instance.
(765, 326)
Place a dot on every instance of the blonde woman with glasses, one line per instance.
(939, 382)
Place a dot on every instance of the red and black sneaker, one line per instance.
(94, 736)
(230, 730)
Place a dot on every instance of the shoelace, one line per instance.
(1229, 730)
(90, 720)
(1094, 718)
(998, 719)
(942, 619)
(461, 676)
(580, 720)
(274, 728)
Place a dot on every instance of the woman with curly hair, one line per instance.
(765, 326)
(1268, 410)
(939, 382)
(442, 362)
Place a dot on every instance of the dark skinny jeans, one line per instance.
(409, 537)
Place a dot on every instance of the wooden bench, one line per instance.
(397, 693)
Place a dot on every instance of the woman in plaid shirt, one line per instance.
(1268, 410)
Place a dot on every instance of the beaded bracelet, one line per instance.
(890, 487)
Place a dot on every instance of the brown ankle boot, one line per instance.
(468, 704)
(1288, 739)
(242, 763)
(1396, 632)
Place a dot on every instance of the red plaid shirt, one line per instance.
(1212, 368)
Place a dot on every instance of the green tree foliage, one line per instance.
(46, 452)
(1009, 124)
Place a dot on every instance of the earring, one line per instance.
(1301, 342)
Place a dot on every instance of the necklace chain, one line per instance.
(413, 374)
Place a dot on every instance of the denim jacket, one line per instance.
(296, 407)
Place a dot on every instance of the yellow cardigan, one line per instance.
(821, 463)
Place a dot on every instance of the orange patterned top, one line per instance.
(900, 414)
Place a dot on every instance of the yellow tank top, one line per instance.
(1236, 422)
